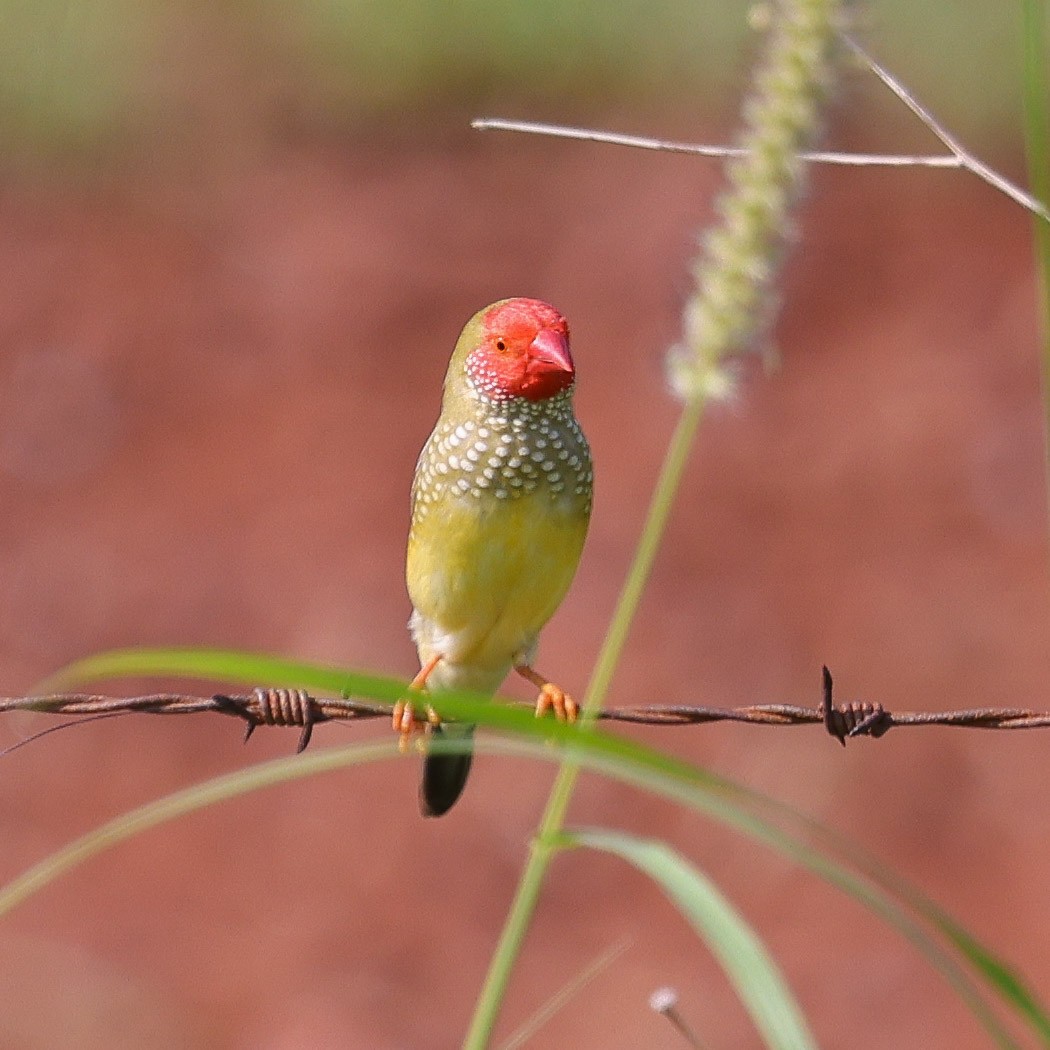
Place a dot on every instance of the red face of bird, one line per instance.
(521, 350)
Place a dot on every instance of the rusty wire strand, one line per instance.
(296, 707)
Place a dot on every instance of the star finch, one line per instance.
(500, 505)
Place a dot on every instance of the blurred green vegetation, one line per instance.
(99, 74)
(588, 50)
(69, 73)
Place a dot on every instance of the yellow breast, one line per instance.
(485, 575)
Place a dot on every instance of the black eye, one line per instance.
(501, 345)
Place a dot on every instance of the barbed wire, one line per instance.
(296, 707)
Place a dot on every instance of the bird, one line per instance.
(501, 502)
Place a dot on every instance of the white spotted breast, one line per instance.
(500, 508)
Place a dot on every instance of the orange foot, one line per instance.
(551, 697)
(404, 719)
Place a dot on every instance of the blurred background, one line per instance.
(238, 242)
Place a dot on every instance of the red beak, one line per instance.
(549, 356)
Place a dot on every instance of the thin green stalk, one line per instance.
(543, 846)
(1036, 39)
(733, 278)
(648, 545)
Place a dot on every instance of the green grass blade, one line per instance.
(228, 665)
(749, 967)
(1036, 83)
(747, 811)
(181, 803)
(1036, 98)
(618, 758)
(998, 975)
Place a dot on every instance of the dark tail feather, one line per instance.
(444, 777)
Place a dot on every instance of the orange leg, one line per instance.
(551, 696)
(404, 717)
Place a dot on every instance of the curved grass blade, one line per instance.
(996, 973)
(621, 758)
(229, 665)
(751, 970)
(179, 804)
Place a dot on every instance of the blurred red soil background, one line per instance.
(214, 379)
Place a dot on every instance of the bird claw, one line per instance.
(407, 723)
(404, 719)
(554, 698)
(551, 697)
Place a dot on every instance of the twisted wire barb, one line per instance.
(296, 707)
